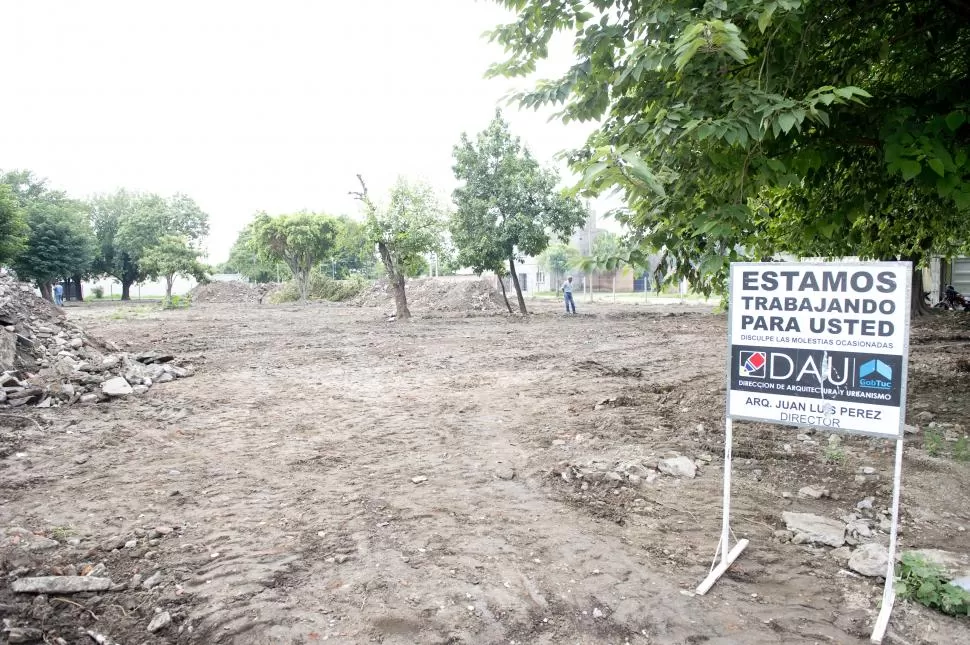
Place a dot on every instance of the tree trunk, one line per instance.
(126, 289)
(302, 281)
(518, 288)
(80, 293)
(169, 280)
(614, 287)
(917, 304)
(504, 295)
(591, 274)
(46, 291)
(396, 278)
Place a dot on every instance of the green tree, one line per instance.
(60, 244)
(404, 230)
(611, 255)
(245, 259)
(301, 241)
(353, 251)
(172, 255)
(740, 129)
(557, 260)
(507, 205)
(13, 229)
(128, 224)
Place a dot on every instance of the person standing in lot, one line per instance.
(567, 294)
(59, 294)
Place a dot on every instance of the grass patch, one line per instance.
(322, 288)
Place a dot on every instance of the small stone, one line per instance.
(925, 416)
(841, 554)
(76, 343)
(159, 622)
(635, 480)
(783, 536)
(98, 571)
(787, 495)
(153, 581)
(420, 479)
(505, 473)
(80, 459)
(89, 398)
(340, 558)
(597, 613)
(706, 458)
(803, 437)
(867, 470)
(113, 543)
(788, 449)
(162, 530)
(865, 504)
(910, 429)
(835, 440)
(131, 544)
(812, 492)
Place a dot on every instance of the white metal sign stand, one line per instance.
(818, 345)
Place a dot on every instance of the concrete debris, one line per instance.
(60, 584)
(232, 292)
(870, 560)
(813, 492)
(814, 529)
(49, 361)
(678, 466)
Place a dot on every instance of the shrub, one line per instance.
(98, 292)
(322, 288)
(925, 583)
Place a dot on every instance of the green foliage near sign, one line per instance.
(744, 129)
(926, 583)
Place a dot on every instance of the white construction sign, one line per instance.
(822, 345)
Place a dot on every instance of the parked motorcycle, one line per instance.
(953, 300)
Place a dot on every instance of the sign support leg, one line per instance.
(889, 593)
(728, 556)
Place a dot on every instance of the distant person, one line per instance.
(59, 295)
(567, 294)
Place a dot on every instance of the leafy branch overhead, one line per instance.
(748, 128)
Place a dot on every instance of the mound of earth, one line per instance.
(437, 294)
(233, 291)
(48, 361)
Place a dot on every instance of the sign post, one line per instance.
(820, 345)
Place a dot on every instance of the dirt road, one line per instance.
(328, 476)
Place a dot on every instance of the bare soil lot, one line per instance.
(328, 476)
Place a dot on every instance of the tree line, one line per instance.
(48, 237)
(507, 207)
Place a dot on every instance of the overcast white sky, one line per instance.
(250, 106)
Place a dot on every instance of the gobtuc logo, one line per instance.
(876, 375)
(753, 364)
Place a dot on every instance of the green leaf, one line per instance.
(910, 168)
(955, 119)
(936, 165)
(765, 18)
(786, 120)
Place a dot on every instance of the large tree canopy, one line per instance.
(60, 243)
(128, 224)
(752, 127)
(301, 241)
(507, 205)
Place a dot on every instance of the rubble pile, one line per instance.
(437, 294)
(233, 291)
(48, 361)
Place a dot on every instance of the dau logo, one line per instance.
(752, 364)
(875, 375)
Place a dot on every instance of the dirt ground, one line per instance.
(286, 466)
